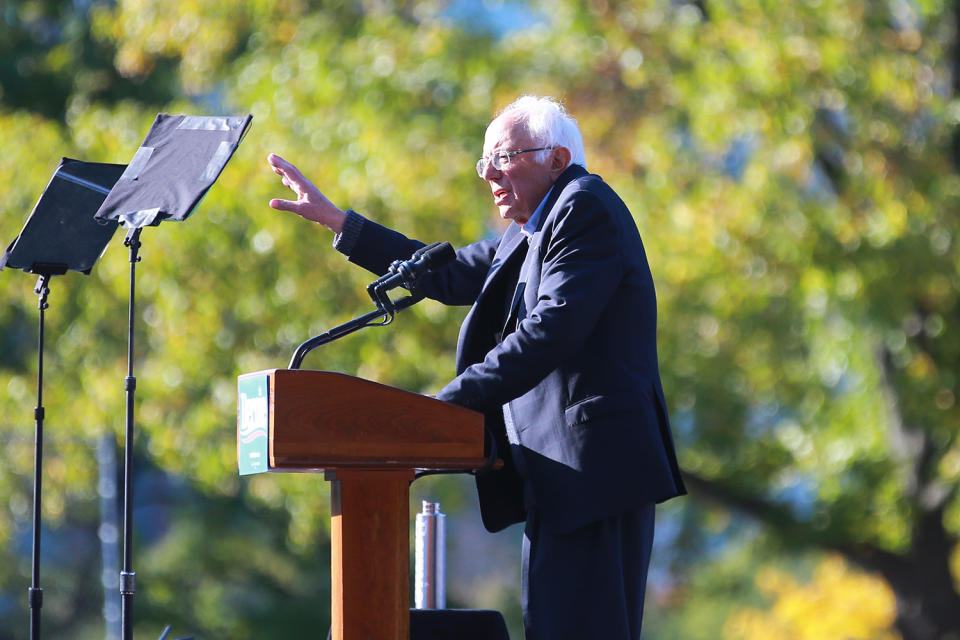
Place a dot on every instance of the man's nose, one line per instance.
(490, 172)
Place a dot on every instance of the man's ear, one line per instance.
(559, 160)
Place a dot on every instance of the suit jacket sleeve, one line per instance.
(375, 247)
(581, 268)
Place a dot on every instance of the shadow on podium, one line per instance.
(456, 624)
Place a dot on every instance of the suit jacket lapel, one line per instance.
(485, 316)
(513, 241)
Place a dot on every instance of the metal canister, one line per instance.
(431, 558)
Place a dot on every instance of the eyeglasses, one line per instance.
(501, 159)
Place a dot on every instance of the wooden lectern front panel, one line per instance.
(329, 420)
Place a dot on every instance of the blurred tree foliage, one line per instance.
(790, 167)
(836, 603)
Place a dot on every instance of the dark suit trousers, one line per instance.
(588, 583)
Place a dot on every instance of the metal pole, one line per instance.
(431, 558)
(35, 592)
(127, 575)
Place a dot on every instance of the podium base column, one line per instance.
(370, 554)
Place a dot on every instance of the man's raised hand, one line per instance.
(310, 203)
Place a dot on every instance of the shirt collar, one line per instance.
(532, 224)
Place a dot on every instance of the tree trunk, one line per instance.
(928, 605)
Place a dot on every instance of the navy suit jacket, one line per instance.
(564, 330)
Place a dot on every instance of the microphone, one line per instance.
(404, 273)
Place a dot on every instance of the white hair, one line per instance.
(549, 124)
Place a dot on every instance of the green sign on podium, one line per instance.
(253, 419)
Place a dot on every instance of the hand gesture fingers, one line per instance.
(310, 203)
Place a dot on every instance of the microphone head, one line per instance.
(422, 250)
(439, 255)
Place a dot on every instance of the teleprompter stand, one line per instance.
(59, 235)
(179, 160)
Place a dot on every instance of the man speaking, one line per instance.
(559, 352)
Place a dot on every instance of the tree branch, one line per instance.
(782, 520)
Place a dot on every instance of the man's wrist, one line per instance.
(333, 219)
(349, 232)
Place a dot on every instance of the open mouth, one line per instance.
(499, 195)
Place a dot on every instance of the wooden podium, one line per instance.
(369, 439)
